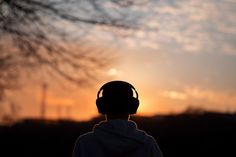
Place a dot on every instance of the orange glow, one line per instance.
(156, 95)
(80, 104)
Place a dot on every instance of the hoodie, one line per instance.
(116, 138)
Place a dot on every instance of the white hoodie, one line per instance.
(116, 138)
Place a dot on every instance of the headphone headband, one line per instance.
(117, 82)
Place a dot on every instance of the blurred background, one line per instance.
(179, 55)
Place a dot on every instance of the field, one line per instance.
(185, 135)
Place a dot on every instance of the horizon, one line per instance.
(99, 118)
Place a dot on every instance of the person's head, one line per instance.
(117, 100)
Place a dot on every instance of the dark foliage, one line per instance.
(206, 135)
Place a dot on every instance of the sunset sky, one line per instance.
(185, 57)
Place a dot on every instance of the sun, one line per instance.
(112, 72)
(143, 108)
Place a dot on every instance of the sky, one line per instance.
(184, 56)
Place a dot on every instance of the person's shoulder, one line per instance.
(151, 139)
(148, 138)
(145, 135)
(86, 136)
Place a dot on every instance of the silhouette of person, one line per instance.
(117, 136)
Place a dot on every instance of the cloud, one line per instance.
(229, 49)
(175, 95)
(212, 96)
(189, 26)
(207, 96)
(166, 9)
(194, 26)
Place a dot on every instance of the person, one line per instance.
(117, 136)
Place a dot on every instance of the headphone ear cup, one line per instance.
(101, 105)
(133, 107)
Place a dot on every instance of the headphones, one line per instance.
(117, 97)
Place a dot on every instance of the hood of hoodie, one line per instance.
(119, 136)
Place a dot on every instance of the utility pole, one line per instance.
(59, 114)
(43, 100)
(68, 112)
(14, 111)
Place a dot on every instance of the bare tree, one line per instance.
(41, 34)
